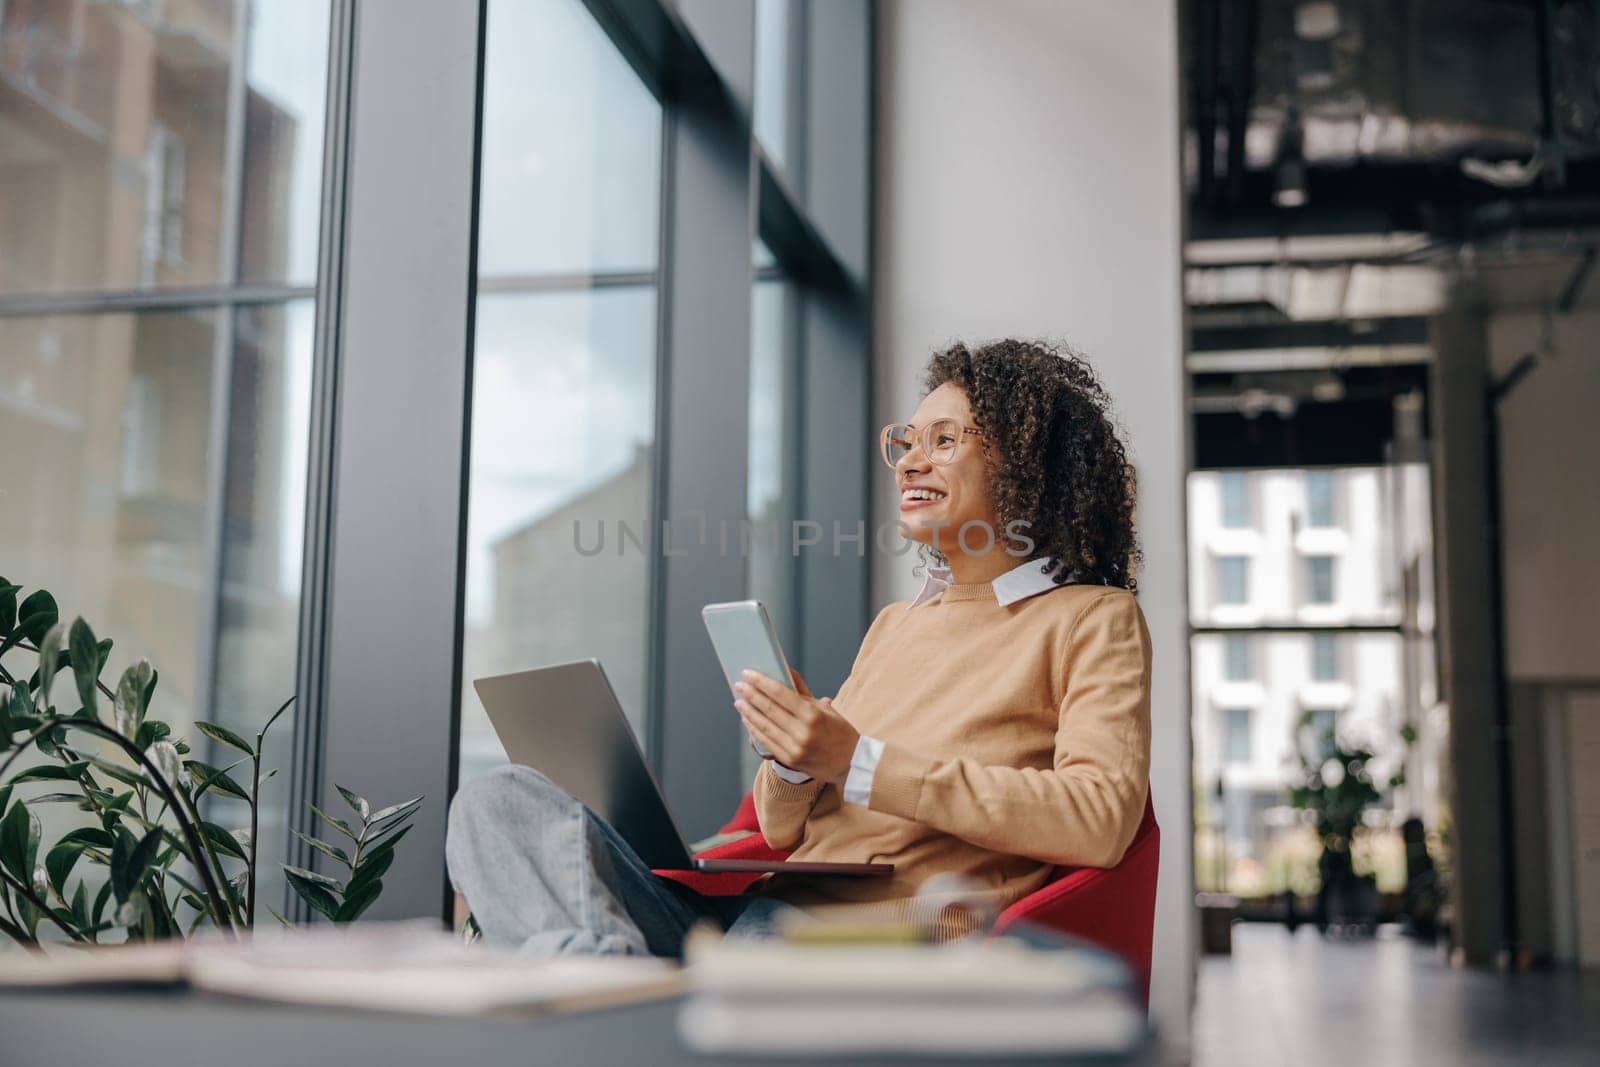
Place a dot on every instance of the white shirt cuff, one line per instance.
(863, 763)
(789, 774)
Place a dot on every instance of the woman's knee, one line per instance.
(508, 794)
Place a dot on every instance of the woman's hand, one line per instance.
(802, 733)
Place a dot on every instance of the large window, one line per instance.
(559, 539)
(155, 448)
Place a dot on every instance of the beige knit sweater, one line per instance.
(1015, 738)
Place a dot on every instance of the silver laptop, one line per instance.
(565, 722)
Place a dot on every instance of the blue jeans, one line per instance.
(547, 876)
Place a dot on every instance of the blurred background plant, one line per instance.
(144, 863)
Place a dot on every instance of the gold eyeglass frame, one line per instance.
(923, 439)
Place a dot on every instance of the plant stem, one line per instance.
(255, 807)
(255, 811)
(44, 909)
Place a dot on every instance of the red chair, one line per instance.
(1113, 907)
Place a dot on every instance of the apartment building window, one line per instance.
(1236, 657)
(1319, 579)
(1233, 579)
(1236, 735)
(1235, 492)
(1320, 499)
(1324, 658)
(161, 237)
(1321, 728)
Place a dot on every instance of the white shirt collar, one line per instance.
(1018, 583)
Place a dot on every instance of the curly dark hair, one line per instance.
(1062, 466)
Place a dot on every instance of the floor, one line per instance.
(1303, 1001)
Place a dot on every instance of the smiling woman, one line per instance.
(995, 727)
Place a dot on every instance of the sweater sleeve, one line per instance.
(1082, 811)
(782, 807)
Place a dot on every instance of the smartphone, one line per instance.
(742, 634)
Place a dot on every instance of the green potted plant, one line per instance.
(144, 862)
(1338, 789)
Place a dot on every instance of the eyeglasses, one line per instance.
(938, 440)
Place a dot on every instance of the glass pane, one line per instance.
(571, 147)
(1236, 723)
(262, 552)
(109, 509)
(1237, 647)
(1319, 579)
(1235, 500)
(772, 79)
(770, 563)
(1319, 498)
(1252, 746)
(1324, 658)
(115, 126)
(1233, 580)
(563, 431)
(282, 200)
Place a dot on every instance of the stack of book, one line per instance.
(982, 996)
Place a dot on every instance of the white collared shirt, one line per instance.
(1018, 583)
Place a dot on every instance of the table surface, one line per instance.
(176, 1028)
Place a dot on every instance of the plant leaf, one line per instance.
(58, 863)
(37, 615)
(261, 734)
(100, 899)
(49, 663)
(149, 732)
(80, 906)
(279, 917)
(338, 824)
(90, 836)
(224, 736)
(8, 607)
(129, 702)
(143, 855)
(394, 833)
(19, 842)
(323, 880)
(313, 894)
(371, 869)
(50, 772)
(362, 808)
(358, 901)
(221, 840)
(395, 809)
(331, 851)
(5, 797)
(208, 777)
(83, 650)
(117, 771)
